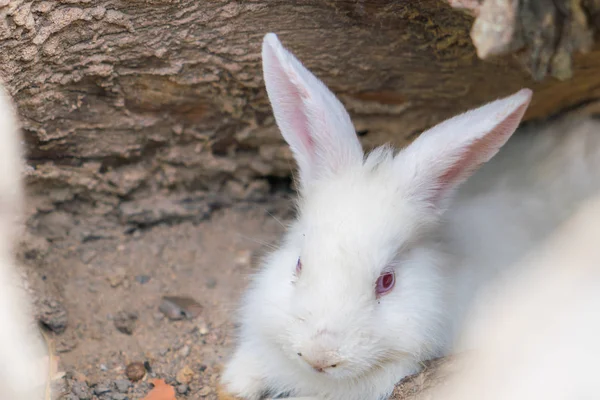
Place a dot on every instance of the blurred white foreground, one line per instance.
(23, 355)
(541, 337)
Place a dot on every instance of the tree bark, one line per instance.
(121, 100)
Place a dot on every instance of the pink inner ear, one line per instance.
(287, 94)
(299, 118)
(475, 154)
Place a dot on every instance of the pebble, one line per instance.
(125, 321)
(119, 396)
(203, 328)
(177, 307)
(81, 390)
(66, 343)
(142, 279)
(185, 375)
(243, 258)
(122, 385)
(205, 391)
(185, 351)
(102, 388)
(53, 315)
(117, 277)
(211, 283)
(183, 389)
(135, 371)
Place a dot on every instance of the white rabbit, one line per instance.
(23, 357)
(376, 274)
(540, 335)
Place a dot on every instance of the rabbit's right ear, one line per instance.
(443, 157)
(311, 119)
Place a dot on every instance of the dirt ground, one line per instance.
(114, 275)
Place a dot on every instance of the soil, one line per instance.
(111, 289)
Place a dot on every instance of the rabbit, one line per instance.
(23, 355)
(540, 334)
(389, 252)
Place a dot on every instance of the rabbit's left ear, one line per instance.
(443, 157)
(311, 119)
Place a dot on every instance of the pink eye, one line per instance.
(298, 267)
(385, 283)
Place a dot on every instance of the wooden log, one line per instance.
(122, 99)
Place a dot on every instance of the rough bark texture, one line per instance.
(123, 100)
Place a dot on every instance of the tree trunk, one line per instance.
(122, 99)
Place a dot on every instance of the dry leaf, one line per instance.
(161, 391)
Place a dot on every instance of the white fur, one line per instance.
(539, 339)
(22, 362)
(359, 215)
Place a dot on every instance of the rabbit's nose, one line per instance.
(321, 361)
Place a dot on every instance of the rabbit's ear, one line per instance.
(311, 119)
(443, 157)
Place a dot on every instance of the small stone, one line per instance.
(185, 351)
(142, 279)
(243, 258)
(122, 385)
(203, 328)
(81, 390)
(176, 307)
(183, 389)
(66, 343)
(135, 371)
(119, 396)
(53, 315)
(205, 391)
(211, 283)
(117, 277)
(102, 388)
(103, 367)
(125, 322)
(33, 247)
(185, 375)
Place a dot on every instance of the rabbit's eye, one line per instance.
(298, 267)
(385, 283)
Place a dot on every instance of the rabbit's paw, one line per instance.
(241, 377)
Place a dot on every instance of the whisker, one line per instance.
(259, 241)
(275, 218)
